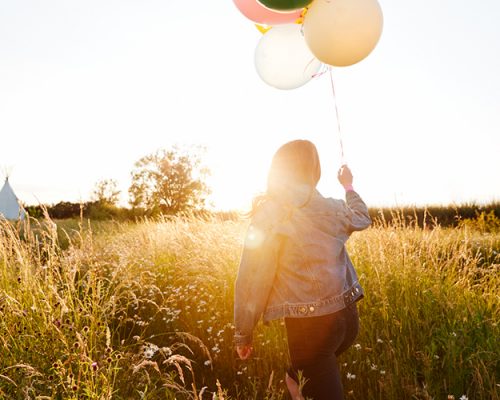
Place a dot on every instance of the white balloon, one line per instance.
(283, 59)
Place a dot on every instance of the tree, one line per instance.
(169, 181)
(106, 192)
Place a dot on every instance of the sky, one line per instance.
(89, 87)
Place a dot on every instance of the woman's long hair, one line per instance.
(295, 164)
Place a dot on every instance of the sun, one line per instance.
(235, 183)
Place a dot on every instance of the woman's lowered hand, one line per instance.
(244, 351)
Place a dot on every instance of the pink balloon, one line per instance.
(256, 12)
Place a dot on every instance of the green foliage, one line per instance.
(445, 216)
(169, 182)
(145, 311)
(484, 222)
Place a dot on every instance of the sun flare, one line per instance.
(238, 177)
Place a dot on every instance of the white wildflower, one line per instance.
(148, 353)
(464, 397)
(357, 346)
(167, 351)
(149, 350)
(351, 376)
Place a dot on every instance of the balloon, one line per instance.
(284, 5)
(343, 32)
(263, 29)
(283, 59)
(256, 12)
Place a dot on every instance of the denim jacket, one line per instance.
(294, 262)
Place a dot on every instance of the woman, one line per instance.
(295, 266)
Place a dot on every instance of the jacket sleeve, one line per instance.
(356, 212)
(255, 278)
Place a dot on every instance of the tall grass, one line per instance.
(145, 311)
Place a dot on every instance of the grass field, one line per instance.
(144, 311)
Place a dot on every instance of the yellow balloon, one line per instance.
(263, 29)
(342, 32)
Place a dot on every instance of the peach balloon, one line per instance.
(343, 32)
(256, 12)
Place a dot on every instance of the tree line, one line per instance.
(172, 181)
(167, 182)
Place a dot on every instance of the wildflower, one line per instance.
(451, 397)
(382, 372)
(167, 351)
(207, 363)
(149, 352)
(453, 334)
(94, 366)
(357, 346)
(380, 340)
(374, 367)
(464, 397)
(436, 357)
(351, 376)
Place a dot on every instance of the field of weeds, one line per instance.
(144, 311)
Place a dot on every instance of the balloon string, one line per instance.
(342, 158)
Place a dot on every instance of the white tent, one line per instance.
(9, 205)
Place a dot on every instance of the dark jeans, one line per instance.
(314, 344)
